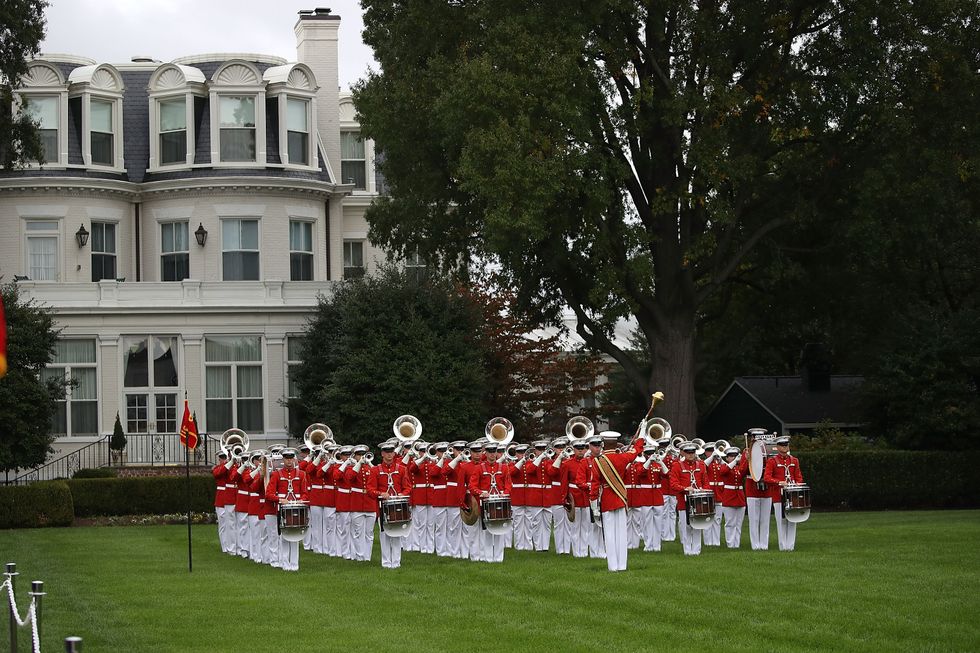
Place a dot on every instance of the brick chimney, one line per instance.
(316, 46)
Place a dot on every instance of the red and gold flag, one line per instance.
(3, 340)
(188, 429)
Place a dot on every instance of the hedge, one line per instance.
(48, 503)
(884, 480)
(155, 495)
(96, 472)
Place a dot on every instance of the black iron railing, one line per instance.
(92, 455)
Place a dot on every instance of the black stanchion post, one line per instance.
(37, 591)
(11, 574)
(73, 645)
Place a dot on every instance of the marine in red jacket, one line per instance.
(688, 473)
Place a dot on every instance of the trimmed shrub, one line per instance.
(884, 479)
(97, 472)
(48, 503)
(141, 496)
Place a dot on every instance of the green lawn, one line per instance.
(857, 581)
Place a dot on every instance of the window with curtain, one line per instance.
(240, 250)
(150, 378)
(77, 413)
(233, 383)
(237, 125)
(173, 131)
(101, 133)
(353, 259)
(300, 251)
(353, 165)
(174, 251)
(44, 111)
(298, 131)
(42, 250)
(103, 243)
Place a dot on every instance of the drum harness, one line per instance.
(494, 490)
(391, 492)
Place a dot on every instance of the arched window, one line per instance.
(172, 91)
(293, 87)
(237, 115)
(100, 90)
(44, 95)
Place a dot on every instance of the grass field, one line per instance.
(857, 581)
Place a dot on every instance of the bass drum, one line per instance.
(757, 460)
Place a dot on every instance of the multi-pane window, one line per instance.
(150, 380)
(353, 259)
(300, 251)
(298, 131)
(173, 131)
(415, 265)
(294, 357)
(233, 383)
(42, 250)
(44, 110)
(353, 168)
(240, 250)
(175, 256)
(77, 413)
(100, 117)
(103, 251)
(237, 123)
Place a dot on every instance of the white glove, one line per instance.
(556, 464)
(455, 461)
(229, 464)
(407, 457)
(343, 465)
(595, 506)
(242, 468)
(520, 463)
(537, 461)
(357, 465)
(647, 462)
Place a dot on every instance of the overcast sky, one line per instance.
(113, 31)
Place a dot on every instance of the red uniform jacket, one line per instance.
(780, 468)
(732, 494)
(360, 501)
(256, 496)
(455, 488)
(279, 485)
(599, 488)
(713, 476)
(520, 481)
(683, 475)
(569, 473)
(220, 473)
(396, 473)
(486, 474)
(539, 491)
(243, 480)
(439, 492)
(422, 482)
(335, 478)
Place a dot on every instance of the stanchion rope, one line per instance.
(31, 617)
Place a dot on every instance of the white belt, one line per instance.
(423, 485)
(253, 494)
(329, 487)
(358, 490)
(518, 485)
(732, 487)
(245, 492)
(452, 484)
(438, 487)
(555, 483)
(537, 486)
(343, 490)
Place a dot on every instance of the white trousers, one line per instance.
(563, 530)
(758, 510)
(651, 527)
(422, 529)
(316, 529)
(733, 525)
(255, 529)
(522, 528)
(391, 551)
(308, 535)
(329, 525)
(491, 546)
(712, 534)
(440, 526)
(288, 555)
(361, 535)
(270, 541)
(597, 544)
(667, 531)
(785, 530)
(471, 542)
(241, 520)
(223, 529)
(454, 532)
(540, 527)
(690, 537)
(343, 535)
(634, 519)
(581, 531)
(614, 534)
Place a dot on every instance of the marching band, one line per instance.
(588, 492)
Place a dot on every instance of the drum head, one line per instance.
(757, 460)
(470, 513)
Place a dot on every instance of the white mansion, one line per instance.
(186, 218)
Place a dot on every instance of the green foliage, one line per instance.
(22, 31)
(118, 440)
(154, 495)
(891, 480)
(27, 404)
(47, 503)
(387, 345)
(96, 472)
(829, 438)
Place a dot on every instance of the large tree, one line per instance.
(27, 403)
(21, 33)
(625, 157)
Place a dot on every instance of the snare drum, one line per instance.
(700, 508)
(497, 514)
(796, 502)
(396, 510)
(294, 520)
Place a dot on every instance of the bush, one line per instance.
(98, 472)
(40, 504)
(141, 496)
(884, 479)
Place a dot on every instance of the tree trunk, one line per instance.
(673, 373)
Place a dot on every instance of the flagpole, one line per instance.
(187, 467)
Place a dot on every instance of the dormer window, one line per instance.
(293, 89)
(100, 129)
(44, 96)
(353, 164)
(298, 131)
(172, 91)
(100, 89)
(45, 111)
(237, 128)
(173, 131)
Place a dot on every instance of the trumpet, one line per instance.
(368, 458)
